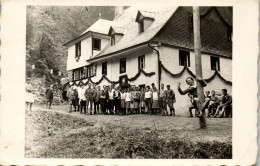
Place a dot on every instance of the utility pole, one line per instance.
(198, 66)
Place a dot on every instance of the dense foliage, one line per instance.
(49, 27)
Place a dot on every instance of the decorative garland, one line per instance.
(216, 73)
(193, 75)
(113, 82)
(139, 73)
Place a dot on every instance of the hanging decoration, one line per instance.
(139, 73)
(193, 75)
(112, 82)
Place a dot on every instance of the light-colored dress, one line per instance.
(155, 100)
(29, 95)
(127, 99)
(123, 104)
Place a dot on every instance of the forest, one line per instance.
(48, 28)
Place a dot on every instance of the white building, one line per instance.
(154, 46)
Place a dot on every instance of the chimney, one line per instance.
(99, 15)
(119, 10)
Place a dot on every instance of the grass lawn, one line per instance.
(57, 134)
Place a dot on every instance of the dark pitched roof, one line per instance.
(215, 24)
(132, 37)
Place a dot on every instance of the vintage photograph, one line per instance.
(129, 82)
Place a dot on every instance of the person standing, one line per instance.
(142, 100)
(155, 101)
(162, 100)
(122, 109)
(76, 99)
(70, 96)
(111, 99)
(97, 100)
(148, 99)
(90, 94)
(137, 100)
(170, 95)
(128, 99)
(29, 99)
(82, 99)
(117, 100)
(49, 96)
(103, 100)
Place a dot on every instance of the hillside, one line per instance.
(49, 27)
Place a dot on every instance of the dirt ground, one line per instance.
(57, 133)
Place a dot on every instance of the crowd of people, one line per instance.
(112, 100)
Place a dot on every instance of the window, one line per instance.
(141, 26)
(104, 68)
(141, 62)
(76, 75)
(113, 40)
(82, 73)
(214, 61)
(91, 71)
(122, 65)
(78, 51)
(96, 44)
(184, 58)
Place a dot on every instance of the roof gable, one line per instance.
(144, 15)
(214, 31)
(132, 36)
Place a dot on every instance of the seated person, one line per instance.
(207, 94)
(213, 104)
(224, 107)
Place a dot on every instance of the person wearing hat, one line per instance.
(49, 96)
(29, 99)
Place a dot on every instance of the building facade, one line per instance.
(154, 46)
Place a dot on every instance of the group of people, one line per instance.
(112, 100)
(125, 100)
(216, 106)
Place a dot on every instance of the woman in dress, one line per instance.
(29, 95)
(155, 101)
(122, 101)
(128, 99)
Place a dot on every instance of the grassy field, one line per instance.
(58, 134)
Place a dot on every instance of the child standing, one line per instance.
(127, 101)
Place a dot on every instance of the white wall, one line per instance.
(131, 68)
(86, 53)
(170, 58)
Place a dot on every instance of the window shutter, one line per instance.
(188, 56)
(139, 61)
(218, 64)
